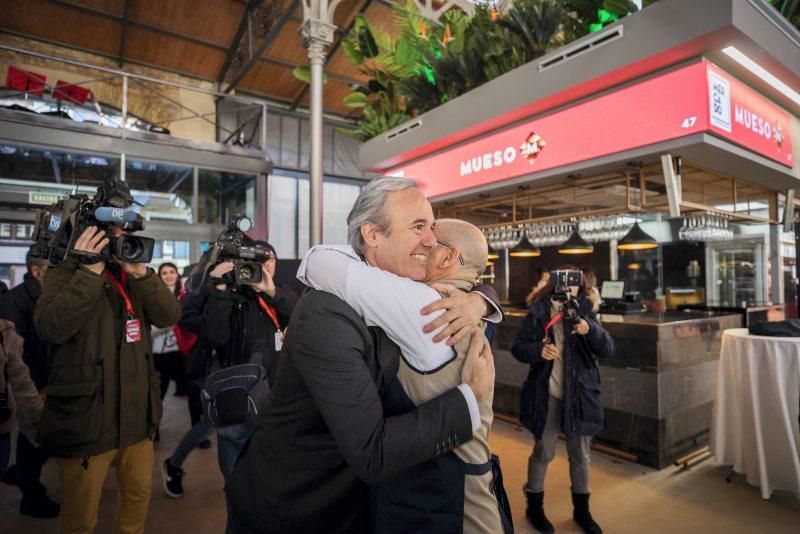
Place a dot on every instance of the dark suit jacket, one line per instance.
(325, 438)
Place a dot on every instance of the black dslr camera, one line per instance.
(59, 225)
(232, 245)
(563, 281)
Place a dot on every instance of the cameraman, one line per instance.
(236, 322)
(560, 338)
(103, 392)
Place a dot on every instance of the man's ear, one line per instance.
(369, 233)
(449, 259)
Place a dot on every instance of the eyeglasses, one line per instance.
(448, 245)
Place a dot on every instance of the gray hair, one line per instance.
(368, 208)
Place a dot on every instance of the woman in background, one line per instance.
(170, 363)
(539, 287)
(592, 293)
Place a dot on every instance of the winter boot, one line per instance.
(535, 512)
(581, 515)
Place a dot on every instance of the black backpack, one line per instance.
(235, 393)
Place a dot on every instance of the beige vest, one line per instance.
(480, 505)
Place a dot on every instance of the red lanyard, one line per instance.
(270, 311)
(121, 291)
(557, 317)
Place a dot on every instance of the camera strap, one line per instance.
(269, 311)
(133, 327)
(557, 317)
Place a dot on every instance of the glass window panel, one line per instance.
(282, 211)
(5, 230)
(339, 199)
(171, 251)
(224, 194)
(165, 190)
(35, 177)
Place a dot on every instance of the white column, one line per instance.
(317, 36)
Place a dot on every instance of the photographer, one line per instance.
(238, 323)
(103, 395)
(560, 339)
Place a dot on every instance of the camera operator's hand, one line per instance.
(478, 370)
(581, 327)
(136, 270)
(550, 352)
(267, 284)
(92, 241)
(464, 312)
(221, 270)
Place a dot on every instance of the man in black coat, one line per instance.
(17, 306)
(325, 438)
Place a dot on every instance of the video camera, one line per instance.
(59, 225)
(563, 281)
(247, 259)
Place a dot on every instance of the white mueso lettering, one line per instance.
(483, 162)
(752, 121)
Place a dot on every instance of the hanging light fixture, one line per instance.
(493, 254)
(576, 244)
(637, 239)
(525, 249)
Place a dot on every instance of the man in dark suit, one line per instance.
(326, 437)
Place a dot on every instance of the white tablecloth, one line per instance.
(755, 426)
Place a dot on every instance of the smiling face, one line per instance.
(404, 248)
(168, 275)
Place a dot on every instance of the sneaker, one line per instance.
(42, 507)
(173, 479)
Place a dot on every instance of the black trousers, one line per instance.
(30, 460)
(195, 404)
(171, 366)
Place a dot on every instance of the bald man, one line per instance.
(452, 492)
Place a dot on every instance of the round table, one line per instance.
(755, 426)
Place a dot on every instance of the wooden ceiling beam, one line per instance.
(133, 22)
(237, 38)
(123, 33)
(265, 44)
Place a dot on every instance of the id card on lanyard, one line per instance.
(133, 327)
(270, 311)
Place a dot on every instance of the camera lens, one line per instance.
(245, 273)
(130, 248)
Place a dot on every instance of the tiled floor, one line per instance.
(627, 498)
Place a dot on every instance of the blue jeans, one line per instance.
(230, 441)
(191, 440)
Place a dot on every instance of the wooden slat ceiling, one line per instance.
(195, 39)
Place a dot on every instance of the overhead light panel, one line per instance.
(737, 55)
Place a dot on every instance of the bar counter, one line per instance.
(657, 388)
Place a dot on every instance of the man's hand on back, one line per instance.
(478, 370)
(463, 313)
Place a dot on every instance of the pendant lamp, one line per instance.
(637, 239)
(525, 249)
(576, 245)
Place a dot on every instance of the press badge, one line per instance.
(133, 331)
(278, 340)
